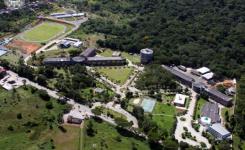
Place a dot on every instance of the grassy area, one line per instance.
(107, 137)
(67, 140)
(238, 143)
(12, 57)
(164, 116)
(133, 58)
(116, 74)
(199, 104)
(44, 32)
(113, 113)
(25, 120)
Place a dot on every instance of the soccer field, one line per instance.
(44, 32)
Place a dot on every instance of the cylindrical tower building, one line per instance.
(146, 55)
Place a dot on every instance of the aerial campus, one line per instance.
(117, 75)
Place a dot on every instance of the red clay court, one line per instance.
(25, 47)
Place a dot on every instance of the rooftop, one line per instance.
(54, 59)
(178, 73)
(88, 52)
(203, 70)
(211, 111)
(147, 51)
(220, 129)
(208, 76)
(104, 58)
(219, 94)
(180, 99)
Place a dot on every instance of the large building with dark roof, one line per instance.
(86, 58)
(200, 87)
(59, 61)
(211, 111)
(89, 52)
(184, 79)
(219, 97)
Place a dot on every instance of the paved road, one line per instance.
(117, 108)
(187, 123)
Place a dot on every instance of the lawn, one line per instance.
(238, 143)
(44, 32)
(116, 74)
(25, 120)
(71, 140)
(107, 137)
(199, 104)
(164, 116)
(133, 58)
(12, 57)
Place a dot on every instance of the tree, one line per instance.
(49, 105)
(138, 112)
(90, 129)
(44, 95)
(19, 116)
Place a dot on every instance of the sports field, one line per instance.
(44, 32)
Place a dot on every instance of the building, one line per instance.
(89, 52)
(203, 70)
(74, 120)
(199, 87)
(218, 131)
(179, 100)
(208, 76)
(66, 15)
(219, 97)
(181, 77)
(61, 61)
(211, 111)
(65, 44)
(231, 91)
(105, 61)
(183, 68)
(116, 54)
(75, 42)
(14, 4)
(146, 56)
(3, 50)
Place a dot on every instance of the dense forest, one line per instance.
(188, 32)
(18, 19)
(239, 109)
(154, 78)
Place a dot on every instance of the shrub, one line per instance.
(49, 105)
(19, 116)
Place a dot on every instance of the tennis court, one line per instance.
(148, 104)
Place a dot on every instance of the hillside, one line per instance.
(188, 32)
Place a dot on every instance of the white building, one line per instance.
(203, 70)
(208, 76)
(179, 100)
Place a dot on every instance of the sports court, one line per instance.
(148, 104)
(43, 32)
(25, 47)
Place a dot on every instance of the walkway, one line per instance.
(117, 108)
(187, 123)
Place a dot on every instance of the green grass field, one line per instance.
(165, 117)
(200, 103)
(108, 138)
(116, 74)
(71, 140)
(133, 58)
(31, 130)
(44, 32)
